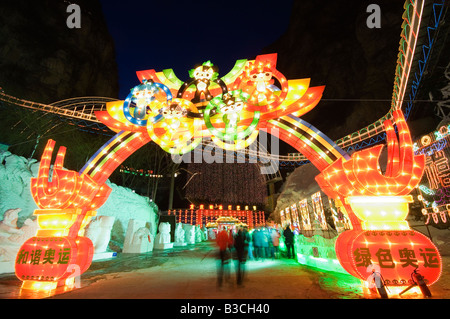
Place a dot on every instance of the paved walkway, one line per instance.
(191, 273)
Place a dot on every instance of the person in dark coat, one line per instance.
(241, 241)
(289, 241)
(266, 242)
(257, 243)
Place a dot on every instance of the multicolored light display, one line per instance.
(434, 191)
(231, 110)
(204, 216)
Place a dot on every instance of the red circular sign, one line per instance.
(53, 258)
(45, 258)
(394, 253)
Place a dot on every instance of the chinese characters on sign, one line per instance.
(46, 258)
(437, 170)
(396, 253)
(435, 185)
(39, 256)
(428, 256)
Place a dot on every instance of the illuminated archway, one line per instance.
(231, 111)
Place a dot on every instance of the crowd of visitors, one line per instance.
(262, 243)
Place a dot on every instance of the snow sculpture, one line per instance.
(180, 238)
(198, 234)
(162, 239)
(318, 230)
(190, 233)
(211, 234)
(138, 238)
(11, 237)
(8, 225)
(99, 232)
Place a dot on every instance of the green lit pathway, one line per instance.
(191, 273)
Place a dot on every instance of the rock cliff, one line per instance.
(329, 42)
(43, 60)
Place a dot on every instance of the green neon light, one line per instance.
(237, 69)
(170, 75)
(231, 130)
(327, 264)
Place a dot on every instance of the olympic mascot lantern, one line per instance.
(230, 109)
(257, 81)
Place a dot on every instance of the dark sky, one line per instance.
(176, 35)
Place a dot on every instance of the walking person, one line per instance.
(250, 253)
(223, 241)
(276, 243)
(241, 245)
(289, 241)
(256, 243)
(230, 242)
(265, 242)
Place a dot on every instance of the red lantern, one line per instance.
(360, 176)
(396, 252)
(45, 259)
(85, 253)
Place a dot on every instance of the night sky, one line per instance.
(179, 34)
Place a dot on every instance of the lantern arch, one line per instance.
(230, 111)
